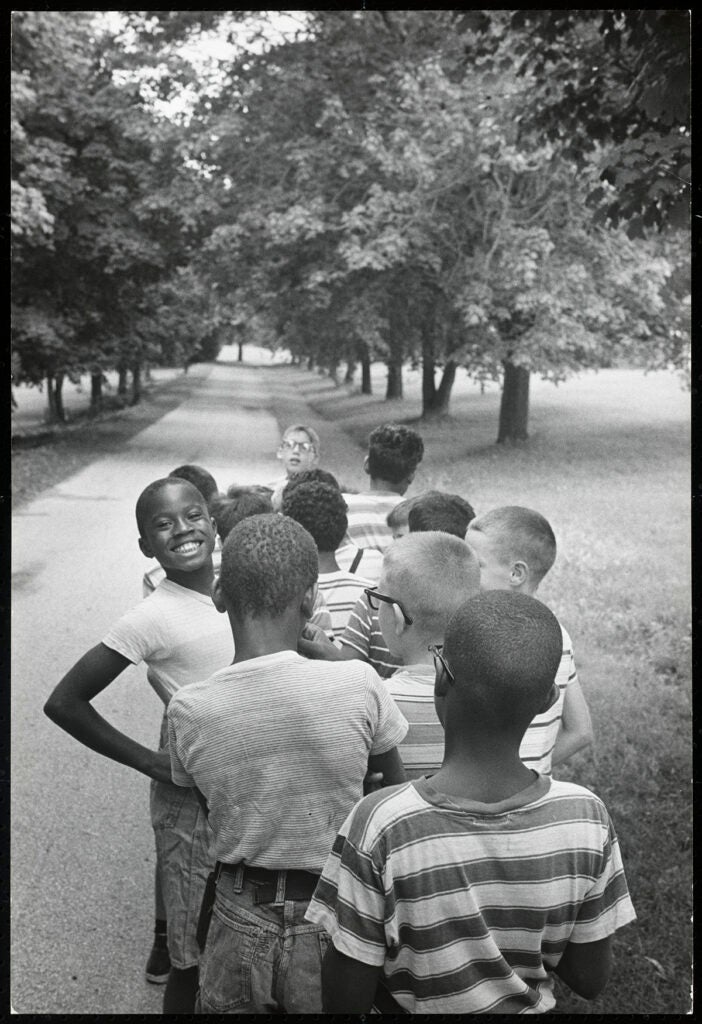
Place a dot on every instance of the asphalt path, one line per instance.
(82, 856)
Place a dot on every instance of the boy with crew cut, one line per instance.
(426, 576)
(438, 510)
(515, 548)
(321, 509)
(278, 747)
(466, 893)
(181, 638)
(394, 452)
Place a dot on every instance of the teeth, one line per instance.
(187, 548)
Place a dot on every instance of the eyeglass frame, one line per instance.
(372, 595)
(438, 651)
(304, 446)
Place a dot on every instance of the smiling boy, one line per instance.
(180, 636)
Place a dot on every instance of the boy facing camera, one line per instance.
(278, 746)
(515, 548)
(467, 893)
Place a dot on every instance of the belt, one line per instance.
(297, 885)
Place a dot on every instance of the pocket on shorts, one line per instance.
(324, 942)
(166, 802)
(227, 963)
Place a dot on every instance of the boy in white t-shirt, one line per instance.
(180, 636)
(278, 746)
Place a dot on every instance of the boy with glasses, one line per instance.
(298, 451)
(468, 892)
(426, 577)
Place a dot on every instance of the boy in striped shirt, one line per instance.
(426, 577)
(467, 893)
(321, 509)
(515, 548)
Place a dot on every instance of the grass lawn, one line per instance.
(608, 464)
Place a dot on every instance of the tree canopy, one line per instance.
(461, 189)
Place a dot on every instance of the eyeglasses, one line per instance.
(373, 596)
(438, 651)
(304, 446)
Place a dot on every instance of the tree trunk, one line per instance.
(96, 392)
(334, 372)
(310, 362)
(122, 379)
(394, 384)
(435, 401)
(366, 383)
(514, 406)
(50, 399)
(58, 398)
(240, 357)
(136, 383)
(350, 371)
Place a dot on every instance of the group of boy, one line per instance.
(470, 877)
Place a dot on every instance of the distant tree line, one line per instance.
(496, 192)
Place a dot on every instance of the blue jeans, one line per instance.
(260, 957)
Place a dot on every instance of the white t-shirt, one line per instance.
(178, 633)
(279, 747)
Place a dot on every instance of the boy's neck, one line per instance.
(487, 769)
(256, 637)
(376, 484)
(328, 562)
(200, 580)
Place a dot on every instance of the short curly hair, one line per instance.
(229, 511)
(308, 476)
(394, 452)
(321, 509)
(198, 477)
(504, 650)
(438, 510)
(268, 562)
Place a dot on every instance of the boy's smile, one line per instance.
(178, 530)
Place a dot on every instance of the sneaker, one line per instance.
(159, 963)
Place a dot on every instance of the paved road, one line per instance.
(82, 846)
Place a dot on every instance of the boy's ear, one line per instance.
(519, 574)
(218, 596)
(307, 606)
(553, 696)
(145, 549)
(365, 466)
(398, 621)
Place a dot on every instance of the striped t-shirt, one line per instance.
(279, 746)
(412, 689)
(178, 633)
(468, 907)
(340, 591)
(370, 564)
(367, 514)
(364, 635)
(536, 748)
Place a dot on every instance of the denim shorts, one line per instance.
(260, 957)
(184, 859)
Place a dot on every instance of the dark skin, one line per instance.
(480, 763)
(178, 530)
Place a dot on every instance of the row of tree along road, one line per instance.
(502, 191)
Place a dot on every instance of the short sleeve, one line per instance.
(349, 901)
(389, 724)
(177, 727)
(321, 616)
(357, 633)
(136, 636)
(607, 905)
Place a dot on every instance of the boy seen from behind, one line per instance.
(278, 746)
(515, 548)
(321, 509)
(466, 893)
(426, 576)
